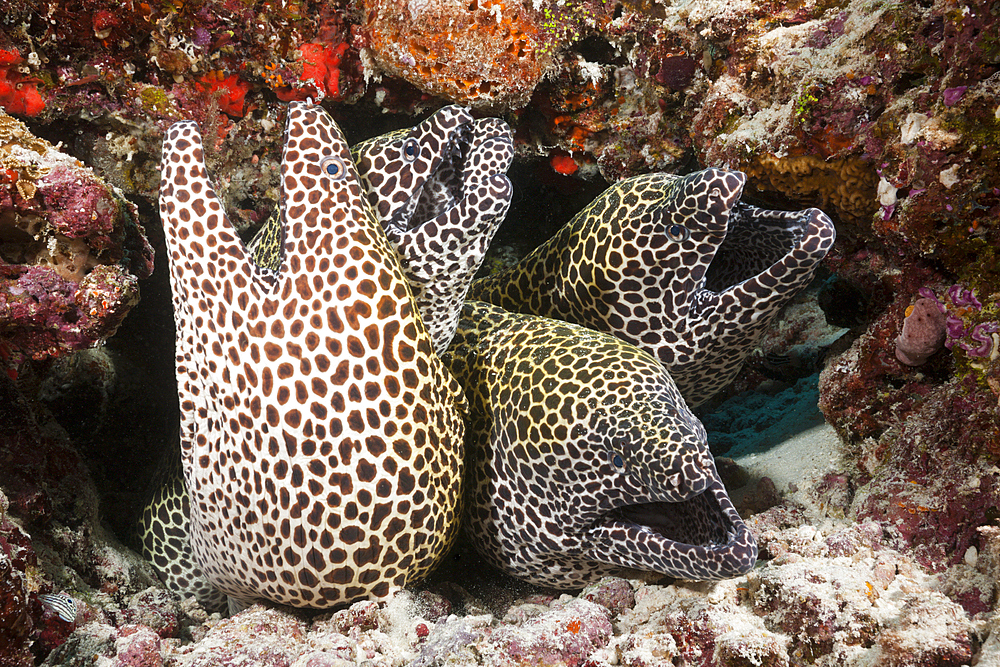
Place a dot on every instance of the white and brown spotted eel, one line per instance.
(321, 437)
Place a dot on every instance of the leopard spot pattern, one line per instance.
(675, 265)
(440, 191)
(584, 458)
(321, 437)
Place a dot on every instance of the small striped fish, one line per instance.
(62, 605)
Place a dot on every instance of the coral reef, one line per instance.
(883, 114)
(72, 249)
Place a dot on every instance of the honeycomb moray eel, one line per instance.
(445, 163)
(676, 265)
(584, 459)
(440, 192)
(165, 537)
(321, 437)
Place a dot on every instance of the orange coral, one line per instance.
(484, 53)
(321, 64)
(563, 163)
(231, 91)
(18, 93)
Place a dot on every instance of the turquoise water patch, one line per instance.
(753, 422)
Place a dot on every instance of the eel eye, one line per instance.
(678, 233)
(618, 462)
(411, 149)
(334, 167)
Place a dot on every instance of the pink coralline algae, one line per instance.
(45, 315)
(566, 635)
(981, 335)
(923, 333)
(836, 608)
(257, 636)
(79, 206)
(951, 96)
(613, 593)
(137, 646)
(73, 249)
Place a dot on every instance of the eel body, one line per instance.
(321, 437)
(676, 265)
(584, 459)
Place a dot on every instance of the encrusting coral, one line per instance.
(72, 252)
(18, 92)
(484, 53)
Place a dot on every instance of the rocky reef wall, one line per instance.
(884, 114)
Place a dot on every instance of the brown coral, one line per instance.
(844, 185)
(484, 53)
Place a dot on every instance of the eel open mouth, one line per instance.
(444, 187)
(756, 239)
(701, 538)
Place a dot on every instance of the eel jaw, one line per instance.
(755, 240)
(702, 538)
(443, 188)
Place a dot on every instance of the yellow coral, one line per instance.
(845, 185)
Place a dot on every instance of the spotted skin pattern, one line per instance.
(440, 191)
(164, 534)
(442, 254)
(638, 262)
(321, 437)
(584, 459)
(453, 150)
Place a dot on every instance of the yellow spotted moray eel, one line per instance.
(583, 458)
(321, 437)
(676, 265)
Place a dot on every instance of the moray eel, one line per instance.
(165, 537)
(321, 437)
(440, 192)
(584, 459)
(423, 183)
(675, 265)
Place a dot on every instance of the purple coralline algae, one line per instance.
(44, 315)
(72, 252)
(966, 327)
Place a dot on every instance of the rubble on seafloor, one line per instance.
(829, 591)
(884, 114)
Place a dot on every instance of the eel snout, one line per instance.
(702, 538)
